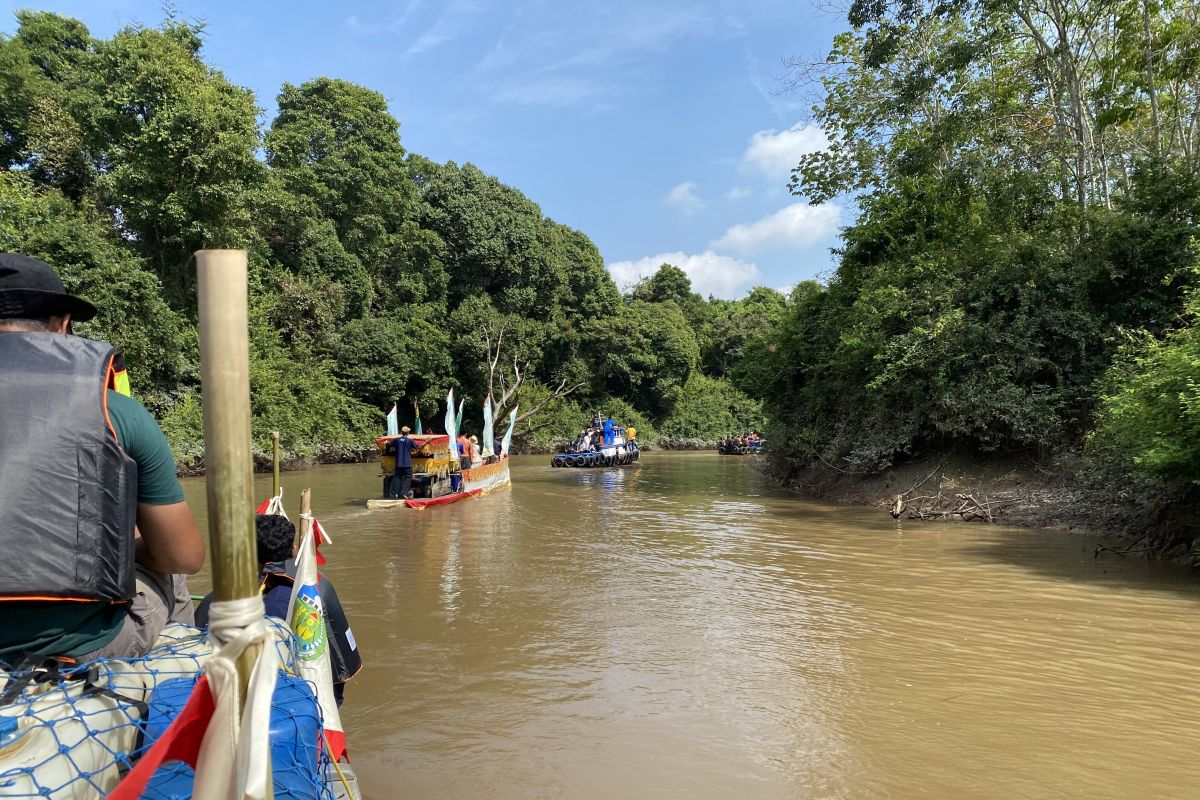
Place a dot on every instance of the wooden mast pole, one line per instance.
(275, 464)
(305, 513)
(225, 387)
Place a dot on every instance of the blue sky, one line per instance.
(655, 128)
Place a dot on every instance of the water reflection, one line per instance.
(680, 629)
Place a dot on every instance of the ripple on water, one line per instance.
(679, 629)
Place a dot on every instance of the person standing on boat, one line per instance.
(609, 431)
(476, 458)
(466, 453)
(402, 476)
(275, 536)
(80, 466)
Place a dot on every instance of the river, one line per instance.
(682, 629)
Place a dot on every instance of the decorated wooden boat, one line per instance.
(440, 474)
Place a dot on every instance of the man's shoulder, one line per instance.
(127, 416)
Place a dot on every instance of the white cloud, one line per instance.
(684, 198)
(552, 92)
(382, 27)
(738, 193)
(775, 153)
(711, 273)
(797, 225)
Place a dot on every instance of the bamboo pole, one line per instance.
(305, 513)
(225, 387)
(275, 464)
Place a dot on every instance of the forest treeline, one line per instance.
(1022, 273)
(377, 275)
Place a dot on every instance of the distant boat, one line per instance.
(437, 477)
(727, 449)
(590, 450)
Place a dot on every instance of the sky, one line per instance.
(659, 128)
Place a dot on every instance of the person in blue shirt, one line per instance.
(276, 539)
(402, 476)
(609, 432)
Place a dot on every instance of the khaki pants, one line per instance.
(157, 600)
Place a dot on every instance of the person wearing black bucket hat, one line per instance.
(31, 290)
(95, 521)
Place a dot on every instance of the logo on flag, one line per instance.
(308, 622)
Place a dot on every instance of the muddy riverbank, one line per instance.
(1020, 491)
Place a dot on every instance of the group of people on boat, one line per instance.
(603, 432)
(93, 512)
(465, 451)
(751, 442)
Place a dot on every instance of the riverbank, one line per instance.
(1019, 491)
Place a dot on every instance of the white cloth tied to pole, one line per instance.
(235, 756)
(275, 505)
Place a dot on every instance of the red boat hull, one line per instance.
(418, 503)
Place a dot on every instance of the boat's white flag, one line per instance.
(512, 423)
(451, 422)
(393, 422)
(306, 614)
(487, 427)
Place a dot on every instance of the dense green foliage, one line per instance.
(1026, 177)
(378, 276)
(1150, 412)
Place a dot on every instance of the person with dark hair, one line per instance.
(95, 521)
(276, 539)
(403, 447)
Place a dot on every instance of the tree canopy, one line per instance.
(378, 276)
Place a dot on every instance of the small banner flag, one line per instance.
(393, 422)
(487, 428)
(306, 615)
(458, 420)
(451, 428)
(181, 741)
(512, 423)
(417, 414)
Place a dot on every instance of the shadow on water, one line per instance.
(1076, 561)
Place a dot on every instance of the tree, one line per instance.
(177, 142)
(645, 354)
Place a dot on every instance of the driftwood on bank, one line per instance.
(947, 503)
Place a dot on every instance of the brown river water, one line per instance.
(682, 629)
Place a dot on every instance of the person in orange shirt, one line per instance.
(466, 450)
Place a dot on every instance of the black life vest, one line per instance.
(68, 492)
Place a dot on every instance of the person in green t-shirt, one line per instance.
(34, 302)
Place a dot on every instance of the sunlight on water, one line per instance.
(680, 629)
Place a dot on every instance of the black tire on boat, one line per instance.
(579, 461)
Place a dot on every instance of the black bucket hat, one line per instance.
(30, 289)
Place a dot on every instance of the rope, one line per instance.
(338, 769)
(237, 623)
(234, 625)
